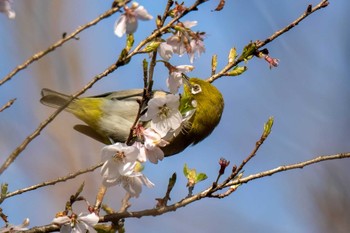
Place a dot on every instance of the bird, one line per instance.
(110, 116)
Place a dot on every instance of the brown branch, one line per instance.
(7, 105)
(204, 194)
(308, 11)
(59, 43)
(260, 44)
(52, 182)
(289, 167)
(42, 229)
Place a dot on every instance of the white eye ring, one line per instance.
(195, 89)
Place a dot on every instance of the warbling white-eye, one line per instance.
(110, 116)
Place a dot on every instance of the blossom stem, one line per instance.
(99, 198)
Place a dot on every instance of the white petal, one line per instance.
(120, 26)
(155, 154)
(165, 51)
(142, 14)
(131, 24)
(90, 219)
(161, 127)
(173, 101)
(79, 228)
(175, 121)
(66, 229)
(61, 220)
(11, 14)
(111, 182)
(142, 155)
(173, 84)
(110, 170)
(146, 181)
(189, 24)
(184, 68)
(127, 169)
(153, 106)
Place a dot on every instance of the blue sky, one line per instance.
(307, 95)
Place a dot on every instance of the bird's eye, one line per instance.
(196, 89)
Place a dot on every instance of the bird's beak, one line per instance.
(186, 80)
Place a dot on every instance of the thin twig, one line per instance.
(125, 203)
(7, 105)
(59, 43)
(275, 35)
(289, 167)
(52, 182)
(308, 11)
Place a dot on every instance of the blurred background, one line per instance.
(308, 95)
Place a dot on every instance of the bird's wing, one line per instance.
(121, 95)
(90, 132)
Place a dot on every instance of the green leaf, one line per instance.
(237, 70)
(248, 52)
(267, 127)
(152, 46)
(200, 177)
(129, 42)
(232, 55)
(172, 181)
(214, 64)
(192, 176)
(185, 170)
(4, 189)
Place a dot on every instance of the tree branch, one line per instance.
(260, 44)
(184, 202)
(52, 182)
(7, 105)
(59, 43)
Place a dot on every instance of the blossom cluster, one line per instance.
(183, 39)
(123, 163)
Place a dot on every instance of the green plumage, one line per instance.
(111, 115)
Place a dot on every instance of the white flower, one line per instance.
(197, 46)
(77, 224)
(153, 154)
(180, 41)
(12, 228)
(150, 149)
(152, 139)
(127, 23)
(119, 160)
(177, 43)
(164, 114)
(165, 51)
(5, 7)
(133, 183)
(174, 81)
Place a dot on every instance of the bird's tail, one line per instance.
(54, 99)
